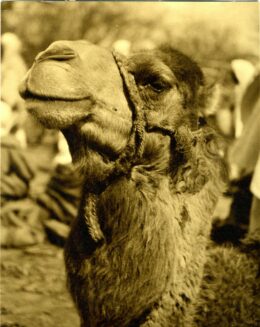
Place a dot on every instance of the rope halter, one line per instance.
(127, 159)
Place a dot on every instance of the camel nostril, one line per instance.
(57, 51)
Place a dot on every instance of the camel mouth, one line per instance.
(29, 95)
(56, 112)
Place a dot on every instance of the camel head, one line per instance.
(78, 88)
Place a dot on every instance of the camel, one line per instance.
(138, 253)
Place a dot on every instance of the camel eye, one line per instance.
(157, 86)
(155, 83)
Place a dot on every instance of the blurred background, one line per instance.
(39, 188)
(211, 32)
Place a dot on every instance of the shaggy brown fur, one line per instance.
(136, 252)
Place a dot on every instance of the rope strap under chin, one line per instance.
(132, 152)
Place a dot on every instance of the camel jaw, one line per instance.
(56, 113)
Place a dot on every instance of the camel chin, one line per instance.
(58, 114)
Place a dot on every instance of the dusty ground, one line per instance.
(33, 290)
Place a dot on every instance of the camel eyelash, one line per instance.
(156, 84)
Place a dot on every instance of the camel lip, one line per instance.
(27, 94)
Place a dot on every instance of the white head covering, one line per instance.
(122, 46)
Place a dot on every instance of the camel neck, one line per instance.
(136, 178)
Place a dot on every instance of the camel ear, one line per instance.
(212, 99)
(210, 93)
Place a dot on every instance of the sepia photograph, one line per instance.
(130, 164)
